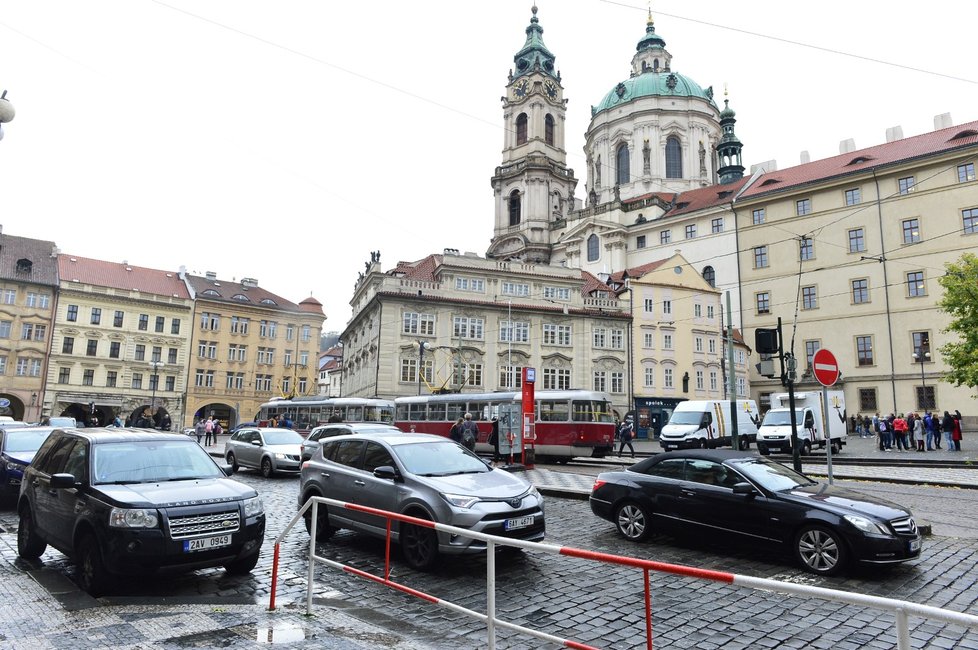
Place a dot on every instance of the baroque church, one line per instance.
(657, 147)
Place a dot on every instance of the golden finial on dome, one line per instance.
(650, 21)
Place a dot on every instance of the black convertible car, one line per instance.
(737, 495)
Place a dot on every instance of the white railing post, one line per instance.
(903, 634)
(491, 593)
(313, 533)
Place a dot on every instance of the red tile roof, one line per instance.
(72, 268)
(227, 290)
(637, 271)
(592, 283)
(705, 197)
(955, 137)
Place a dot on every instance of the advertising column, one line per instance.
(529, 417)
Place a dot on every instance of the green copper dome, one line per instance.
(534, 55)
(653, 84)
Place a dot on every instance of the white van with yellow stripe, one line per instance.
(708, 423)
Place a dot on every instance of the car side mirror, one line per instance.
(386, 471)
(256, 443)
(62, 481)
(227, 469)
(744, 488)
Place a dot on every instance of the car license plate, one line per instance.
(205, 543)
(914, 545)
(520, 522)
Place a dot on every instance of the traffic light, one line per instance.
(766, 341)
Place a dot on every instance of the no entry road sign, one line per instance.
(825, 367)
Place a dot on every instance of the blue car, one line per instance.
(17, 449)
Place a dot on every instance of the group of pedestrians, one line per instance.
(209, 430)
(911, 432)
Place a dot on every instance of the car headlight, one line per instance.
(536, 493)
(14, 466)
(460, 501)
(133, 518)
(866, 525)
(279, 456)
(253, 506)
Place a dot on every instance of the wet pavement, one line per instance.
(40, 607)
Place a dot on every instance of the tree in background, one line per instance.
(960, 302)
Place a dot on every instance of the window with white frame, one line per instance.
(649, 305)
(599, 337)
(210, 321)
(648, 340)
(467, 327)
(698, 344)
(556, 334)
(700, 383)
(667, 341)
(556, 293)
(709, 312)
(515, 289)
(511, 376)
(667, 377)
(616, 339)
(477, 285)
(741, 387)
(470, 374)
(305, 333)
(515, 331)
(600, 381)
(556, 378)
(650, 377)
(666, 307)
(713, 380)
(617, 379)
(417, 323)
(711, 345)
(697, 310)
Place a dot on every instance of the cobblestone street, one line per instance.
(584, 601)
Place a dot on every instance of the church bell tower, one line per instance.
(533, 188)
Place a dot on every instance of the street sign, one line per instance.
(825, 367)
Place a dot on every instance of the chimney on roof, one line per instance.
(249, 283)
(805, 158)
(894, 133)
(450, 251)
(766, 166)
(943, 121)
(210, 275)
(847, 146)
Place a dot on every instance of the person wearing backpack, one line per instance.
(470, 432)
(625, 435)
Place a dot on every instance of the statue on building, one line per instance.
(617, 192)
(597, 173)
(702, 158)
(593, 198)
(647, 158)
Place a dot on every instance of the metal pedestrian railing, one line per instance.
(900, 609)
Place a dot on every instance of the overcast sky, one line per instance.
(286, 140)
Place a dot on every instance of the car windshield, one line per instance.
(770, 475)
(282, 437)
(151, 461)
(781, 418)
(686, 417)
(22, 440)
(438, 459)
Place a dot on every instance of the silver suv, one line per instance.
(424, 476)
(321, 433)
(266, 449)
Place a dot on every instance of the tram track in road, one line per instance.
(811, 459)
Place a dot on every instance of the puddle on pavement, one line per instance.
(273, 634)
(277, 633)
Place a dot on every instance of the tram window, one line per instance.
(354, 414)
(553, 411)
(436, 412)
(402, 412)
(479, 411)
(455, 411)
(417, 412)
(602, 411)
(583, 411)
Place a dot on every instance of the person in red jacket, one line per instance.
(900, 432)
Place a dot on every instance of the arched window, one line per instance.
(710, 276)
(674, 158)
(549, 132)
(521, 129)
(655, 65)
(515, 209)
(592, 248)
(621, 162)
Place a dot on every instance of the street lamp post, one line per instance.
(156, 380)
(921, 357)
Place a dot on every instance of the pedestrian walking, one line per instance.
(209, 431)
(956, 433)
(470, 432)
(199, 429)
(867, 427)
(455, 433)
(625, 435)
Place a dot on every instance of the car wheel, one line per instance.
(233, 462)
(836, 447)
(806, 448)
(762, 449)
(702, 444)
(820, 550)
(419, 545)
(323, 530)
(243, 566)
(30, 546)
(266, 467)
(92, 575)
(633, 521)
(743, 443)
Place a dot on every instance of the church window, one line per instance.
(549, 129)
(621, 159)
(515, 209)
(674, 158)
(592, 248)
(655, 65)
(521, 129)
(710, 276)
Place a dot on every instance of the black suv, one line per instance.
(122, 501)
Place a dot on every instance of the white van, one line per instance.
(815, 428)
(707, 423)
